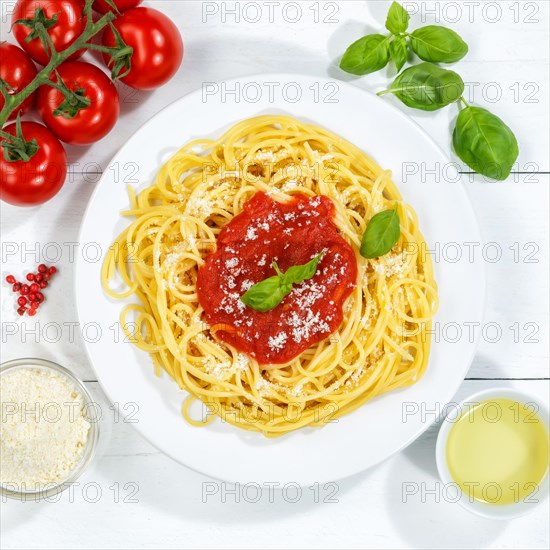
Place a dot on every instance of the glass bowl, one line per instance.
(89, 453)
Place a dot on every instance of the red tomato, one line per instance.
(91, 123)
(157, 44)
(40, 178)
(16, 70)
(69, 26)
(123, 5)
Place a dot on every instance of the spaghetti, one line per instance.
(383, 340)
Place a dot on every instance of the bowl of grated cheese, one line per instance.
(48, 429)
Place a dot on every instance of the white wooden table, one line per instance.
(135, 497)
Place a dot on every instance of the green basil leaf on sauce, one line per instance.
(398, 19)
(299, 273)
(399, 51)
(366, 55)
(485, 143)
(265, 295)
(270, 292)
(438, 44)
(381, 235)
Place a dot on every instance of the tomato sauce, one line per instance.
(291, 234)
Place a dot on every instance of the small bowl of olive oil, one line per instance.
(493, 447)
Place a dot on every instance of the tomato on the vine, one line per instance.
(64, 20)
(91, 87)
(16, 70)
(38, 179)
(103, 7)
(157, 47)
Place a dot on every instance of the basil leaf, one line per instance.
(381, 234)
(485, 143)
(299, 273)
(398, 19)
(438, 44)
(427, 87)
(366, 55)
(269, 293)
(399, 51)
(266, 294)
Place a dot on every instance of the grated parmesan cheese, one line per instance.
(199, 206)
(251, 234)
(277, 342)
(224, 370)
(43, 428)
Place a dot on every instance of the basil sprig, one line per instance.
(438, 44)
(381, 235)
(427, 87)
(269, 293)
(485, 143)
(480, 139)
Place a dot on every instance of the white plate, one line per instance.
(382, 426)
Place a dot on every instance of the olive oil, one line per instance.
(497, 451)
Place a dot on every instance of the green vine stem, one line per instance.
(12, 102)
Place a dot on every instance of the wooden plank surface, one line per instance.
(135, 497)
